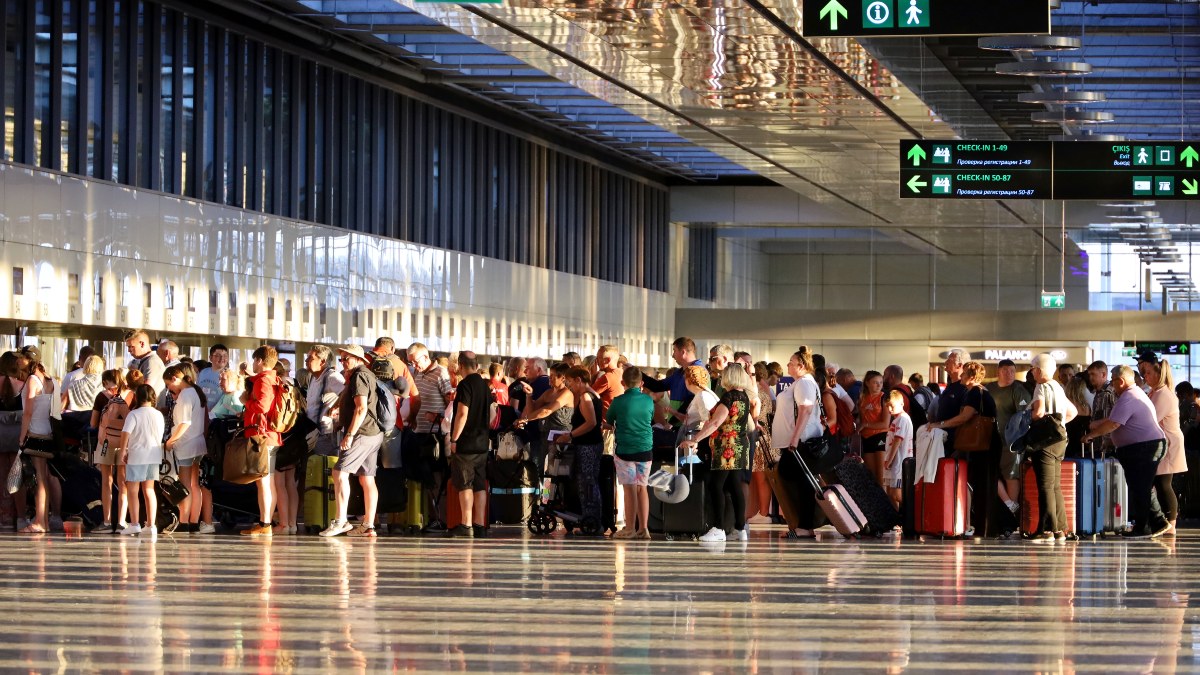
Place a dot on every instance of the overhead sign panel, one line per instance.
(1162, 171)
(916, 18)
(975, 170)
(1079, 170)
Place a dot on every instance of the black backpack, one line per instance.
(915, 411)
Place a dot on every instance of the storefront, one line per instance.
(1021, 354)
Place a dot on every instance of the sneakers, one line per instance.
(1060, 537)
(759, 519)
(480, 531)
(335, 528)
(1043, 538)
(130, 530)
(462, 531)
(436, 527)
(148, 532)
(206, 528)
(103, 528)
(361, 530)
(258, 530)
(715, 534)
(1131, 534)
(742, 534)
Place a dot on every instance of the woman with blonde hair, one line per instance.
(1157, 374)
(1076, 389)
(729, 426)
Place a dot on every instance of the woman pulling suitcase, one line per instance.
(796, 420)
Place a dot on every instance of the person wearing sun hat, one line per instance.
(359, 447)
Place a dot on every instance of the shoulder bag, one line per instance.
(822, 453)
(246, 460)
(975, 435)
(1048, 429)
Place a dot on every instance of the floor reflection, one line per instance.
(520, 604)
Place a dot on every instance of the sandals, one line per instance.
(32, 529)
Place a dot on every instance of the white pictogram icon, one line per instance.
(1143, 157)
(913, 12)
(879, 12)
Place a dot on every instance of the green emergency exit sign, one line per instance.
(1054, 300)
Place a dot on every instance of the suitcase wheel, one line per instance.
(542, 523)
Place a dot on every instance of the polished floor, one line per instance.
(517, 603)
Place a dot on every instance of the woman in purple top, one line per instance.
(1140, 444)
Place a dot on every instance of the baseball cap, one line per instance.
(1147, 356)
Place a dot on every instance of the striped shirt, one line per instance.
(433, 386)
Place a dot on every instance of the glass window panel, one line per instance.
(18, 281)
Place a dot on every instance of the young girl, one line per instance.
(899, 446)
(142, 447)
(874, 423)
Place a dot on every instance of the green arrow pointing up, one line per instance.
(916, 155)
(1189, 155)
(832, 9)
(915, 184)
(1191, 187)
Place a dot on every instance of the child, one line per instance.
(898, 447)
(141, 444)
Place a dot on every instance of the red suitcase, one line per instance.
(454, 513)
(1031, 511)
(941, 506)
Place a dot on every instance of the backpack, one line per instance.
(385, 407)
(288, 406)
(844, 412)
(915, 411)
(931, 400)
(112, 420)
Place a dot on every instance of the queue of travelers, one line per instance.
(735, 416)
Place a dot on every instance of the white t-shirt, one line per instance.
(901, 427)
(189, 411)
(698, 410)
(145, 428)
(1054, 399)
(803, 393)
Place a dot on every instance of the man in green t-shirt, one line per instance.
(631, 414)
(1011, 397)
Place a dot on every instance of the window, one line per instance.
(73, 288)
(287, 310)
(148, 294)
(212, 302)
(270, 309)
(169, 297)
(232, 303)
(304, 312)
(321, 314)
(98, 290)
(371, 319)
(413, 326)
(383, 318)
(252, 311)
(191, 299)
(354, 319)
(18, 281)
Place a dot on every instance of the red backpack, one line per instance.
(844, 414)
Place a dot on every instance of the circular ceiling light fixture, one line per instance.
(1043, 68)
(1072, 117)
(1059, 96)
(1029, 43)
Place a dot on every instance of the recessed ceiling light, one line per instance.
(1043, 67)
(1058, 96)
(1072, 117)
(1029, 43)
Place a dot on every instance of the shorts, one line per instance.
(1009, 466)
(184, 463)
(874, 443)
(103, 455)
(631, 473)
(138, 473)
(469, 471)
(362, 457)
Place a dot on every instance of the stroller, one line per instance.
(560, 499)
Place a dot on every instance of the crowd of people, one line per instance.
(733, 416)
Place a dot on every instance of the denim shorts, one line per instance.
(138, 473)
(185, 463)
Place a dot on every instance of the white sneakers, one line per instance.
(131, 530)
(715, 534)
(149, 532)
(742, 534)
(335, 528)
(206, 528)
(759, 519)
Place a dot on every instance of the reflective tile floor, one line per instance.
(516, 603)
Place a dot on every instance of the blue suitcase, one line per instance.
(1090, 492)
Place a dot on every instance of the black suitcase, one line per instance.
(908, 497)
(608, 493)
(513, 489)
(81, 492)
(693, 516)
(860, 484)
(234, 505)
(392, 485)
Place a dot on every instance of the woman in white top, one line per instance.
(186, 442)
(797, 419)
(37, 439)
(703, 399)
(1157, 374)
(142, 451)
(1049, 398)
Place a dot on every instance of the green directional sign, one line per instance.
(914, 18)
(1189, 155)
(975, 170)
(1095, 170)
(1054, 300)
(1167, 348)
(915, 184)
(917, 155)
(1191, 187)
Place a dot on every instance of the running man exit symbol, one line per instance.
(916, 13)
(878, 14)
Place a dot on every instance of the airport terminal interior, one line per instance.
(937, 186)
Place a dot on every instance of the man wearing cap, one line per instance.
(359, 447)
(468, 446)
(1140, 444)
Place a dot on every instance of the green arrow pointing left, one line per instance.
(832, 10)
(1189, 155)
(916, 155)
(915, 184)
(1191, 187)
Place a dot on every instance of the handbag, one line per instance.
(975, 435)
(823, 452)
(1047, 430)
(169, 487)
(13, 482)
(246, 460)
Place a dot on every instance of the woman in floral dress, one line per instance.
(727, 429)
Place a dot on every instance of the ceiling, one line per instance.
(712, 91)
